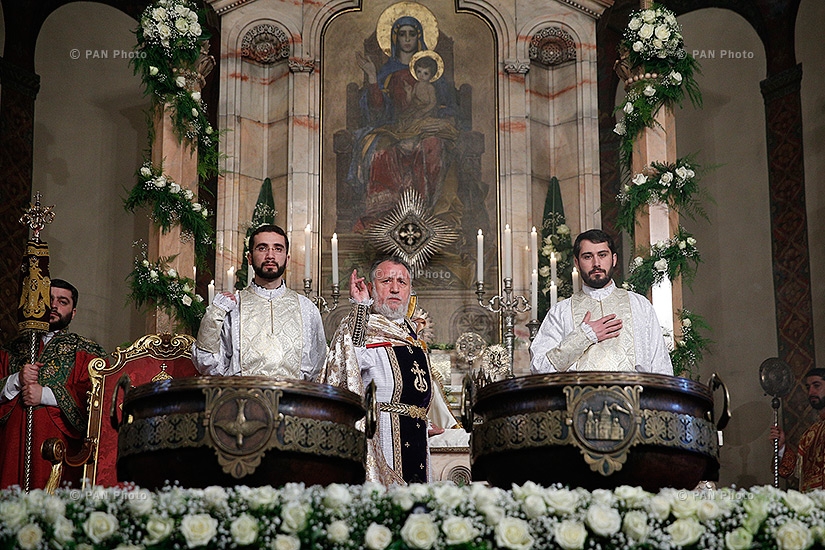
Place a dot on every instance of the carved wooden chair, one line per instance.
(151, 358)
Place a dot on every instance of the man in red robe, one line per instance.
(807, 461)
(56, 386)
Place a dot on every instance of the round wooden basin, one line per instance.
(595, 430)
(239, 431)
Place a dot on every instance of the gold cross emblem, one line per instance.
(420, 382)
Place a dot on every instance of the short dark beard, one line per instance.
(60, 324)
(818, 405)
(598, 283)
(269, 276)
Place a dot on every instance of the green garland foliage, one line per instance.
(670, 258)
(688, 350)
(156, 284)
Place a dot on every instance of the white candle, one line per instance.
(307, 252)
(554, 294)
(230, 277)
(195, 274)
(553, 274)
(480, 257)
(534, 249)
(534, 293)
(334, 243)
(211, 291)
(250, 274)
(508, 252)
(575, 280)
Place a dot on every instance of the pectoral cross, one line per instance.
(420, 382)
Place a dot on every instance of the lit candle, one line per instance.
(534, 249)
(480, 257)
(534, 293)
(230, 277)
(508, 252)
(211, 291)
(307, 252)
(553, 274)
(554, 294)
(250, 274)
(575, 280)
(334, 243)
(195, 274)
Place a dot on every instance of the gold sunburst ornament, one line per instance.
(410, 232)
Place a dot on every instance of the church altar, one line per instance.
(441, 515)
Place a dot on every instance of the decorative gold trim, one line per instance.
(406, 410)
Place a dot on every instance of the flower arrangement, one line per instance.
(157, 284)
(170, 42)
(688, 350)
(669, 258)
(555, 240)
(657, 69)
(436, 516)
(676, 185)
(171, 204)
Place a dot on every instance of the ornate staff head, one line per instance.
(33, 311)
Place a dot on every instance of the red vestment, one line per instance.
(65, 360)
(807, 461)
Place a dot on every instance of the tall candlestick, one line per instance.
(534, 293)
(534, 249)
(554, 293)
(211, 291)
(480, 257)
(575, 280)
(508, 252)
(308, 252)
(553, 267)
(334, 243)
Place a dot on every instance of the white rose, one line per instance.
(659, 507)
(798, 502)
(448, 495)
(29, 536)
(659, 45)
(682, 245)
(153, 274)
(294, 516)
(603, 521)
(686, 322)
(570, 535)
(196, 96)
(757, 510)
(215, 497)
(140, 502)
(164, 32)
(53, 508)
(196, 206)
(403, 499)
(676, 77)
(338, 531)
(99, 526)
(458, 530)
(662, 32)
(153, 71)
(691, 241)
(420, 491)
(377, 537)
(145, 171)
(534, 506)
(483, 495)
(194, 29)
(182, 25)
(158, 14)
(63, 530)
(180, 82)
(634, 24)
(544, 271)
(562, 501)
(793, 535)
(244, 529)
(738, 539)
(633, 497)
(513, 533)
(171, 272)
(158, 529)
(563, 229)
(661, 265)
(159, 182)
(194, 112)
(635, 525)
(649, 91)
(666, 178)
(188, 194)
(639, 179)
(181, 10)
(286, 542)
(186, 300)
(419, 531)
(198, 529)
(174, 187)
(646, 31)
(708, 510)
(602, 496)
(681, 172)
(638, 47)
(209, 130)
(648, 16)
(690, 173)
(684, 532)
(492, 514)
(336, 496)
(638, 261)
(628, 108)
(685, 505)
